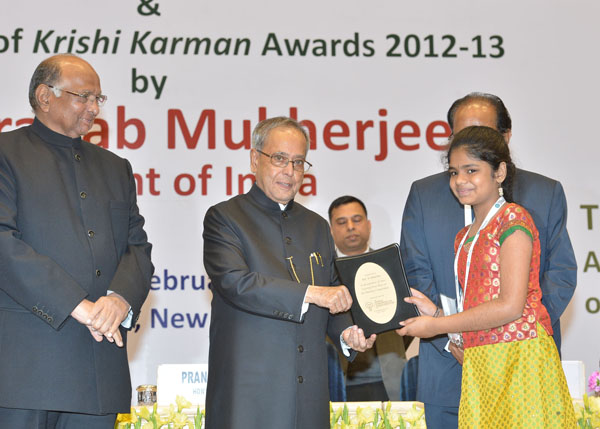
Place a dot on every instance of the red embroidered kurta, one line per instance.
(484, 277)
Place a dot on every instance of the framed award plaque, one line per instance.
(377, 282)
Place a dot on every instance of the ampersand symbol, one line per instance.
(145, 8)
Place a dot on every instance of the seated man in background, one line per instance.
(375, 374)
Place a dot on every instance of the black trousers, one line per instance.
(16, 418)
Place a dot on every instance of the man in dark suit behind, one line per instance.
(275, 295)
(432, 217)
(74, 260)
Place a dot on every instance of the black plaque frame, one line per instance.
(390, 260)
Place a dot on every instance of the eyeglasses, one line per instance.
(85, 97)
(280, 160)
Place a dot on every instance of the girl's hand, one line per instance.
(424, 304)
(422, 327)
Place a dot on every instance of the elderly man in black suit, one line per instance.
(74, 260)
(275, 295)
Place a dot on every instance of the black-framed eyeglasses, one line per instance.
(85, 97)
(281, 161)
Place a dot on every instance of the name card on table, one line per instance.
(575, 374)
(187, 380)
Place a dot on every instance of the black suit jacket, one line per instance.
(69, 229)
(267, 364)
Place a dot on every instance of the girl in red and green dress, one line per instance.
(512, 375)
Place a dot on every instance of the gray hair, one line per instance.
(47, 72)
(262, 130)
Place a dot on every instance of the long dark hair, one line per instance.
(488, 145)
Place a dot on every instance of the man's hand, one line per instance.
(335, 298)
(95, 334)
(457, 352)
(81, 313)
(355, 338)
(106, 316)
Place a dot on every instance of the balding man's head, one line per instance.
(65, 94)
(480, 109)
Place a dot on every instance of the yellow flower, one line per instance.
(419, 424)
(414, 414)
(594, 404)
(365, 415)
(171, 414)
(160, 422)
(144, 413)
(337, 414)
(182, 403)
(179, 421)
(124, 419)
(394, 418)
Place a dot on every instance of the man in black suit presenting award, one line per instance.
(275, 295)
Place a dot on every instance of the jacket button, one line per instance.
(284, 215)
(34, 308)
(300, 348)
(91, 233)
(83, 195)
(98, 273)
(77, 157)
(300, 379)
(290, 317)
(50, 320)
(288, 240)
